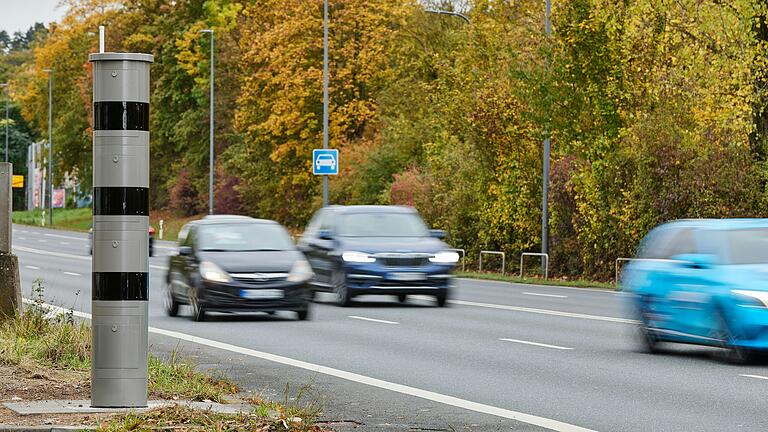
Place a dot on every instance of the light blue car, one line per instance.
(703, 282)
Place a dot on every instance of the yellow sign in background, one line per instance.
(18, 181)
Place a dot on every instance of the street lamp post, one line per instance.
(445, 12)
(545, 174)
(50, 145)
(7, 104)
(210, 144)
(325, 95)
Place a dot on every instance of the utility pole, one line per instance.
(325, 95)
(545, 174)
(210, 132)
(50, 146)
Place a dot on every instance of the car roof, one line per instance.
(231, 219)
(374, 209)
(720, 224)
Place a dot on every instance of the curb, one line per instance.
(51, 428)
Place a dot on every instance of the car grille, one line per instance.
(404, 261)
(256, 279)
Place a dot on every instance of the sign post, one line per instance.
(120, 226)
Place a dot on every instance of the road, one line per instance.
(501, 357)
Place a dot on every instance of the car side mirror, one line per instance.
(325, 235)
(185, 251)
(438, 234)
(697, 261)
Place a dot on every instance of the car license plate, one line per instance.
(265, 294)
(407, 277)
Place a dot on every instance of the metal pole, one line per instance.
(210, 173)
(545, 174)
(7, 104)
(325, 94)
(6, 208)
(50, 148)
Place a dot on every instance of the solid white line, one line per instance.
(755, 376)
(64, 237)
(21, 238)
(64, 243)
(545, 312)
(535, 343)
(43, 241)
(32, 267)
(362, 379)
(72, 274)
(545, 295)
(518, 284)
(372, 319)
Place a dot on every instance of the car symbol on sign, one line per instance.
(325, 160)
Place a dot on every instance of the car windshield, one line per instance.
(244, 237)
(748, 246)
(382, 225)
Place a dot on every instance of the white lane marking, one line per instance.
(545, 312)
(32, 267)
(518, 284)
(61, 255)
(362, 379)
(755, 376)
(535, 344)
(372, 319)
(65, 237)
(544, 295)
(64, 243)
(56, 254)
(43, 241)
(72, 273)
(21, 238)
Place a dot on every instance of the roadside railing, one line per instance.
(463, 255)
(544, 257)
(503, 259)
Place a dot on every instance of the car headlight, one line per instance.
(447, 257)
(761, 296)
(300, 272)
(211, 272)
(357, 257)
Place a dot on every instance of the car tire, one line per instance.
(339, 282)
(170, 304)
(731, 352)
(442, 298)
(198, 311)
(649, 340)
(402, 298)
(303, 314)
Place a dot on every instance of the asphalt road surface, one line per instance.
(501, 357)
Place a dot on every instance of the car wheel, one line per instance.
(340, 288)
(442, 298)
(303, 314)
(649, 340)
(198, 312)
(169, 302)
(402, 298)
(731, 353)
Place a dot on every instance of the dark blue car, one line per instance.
(356, 250)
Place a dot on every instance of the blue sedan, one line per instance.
(356, 250)
(703, 282)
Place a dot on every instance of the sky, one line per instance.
(20, 15)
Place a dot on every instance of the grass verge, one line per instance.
(68, 219)
(578, 283)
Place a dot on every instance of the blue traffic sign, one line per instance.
(325, 162)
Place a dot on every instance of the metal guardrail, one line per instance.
(503, 259)
(544, 257)
(463, 255)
